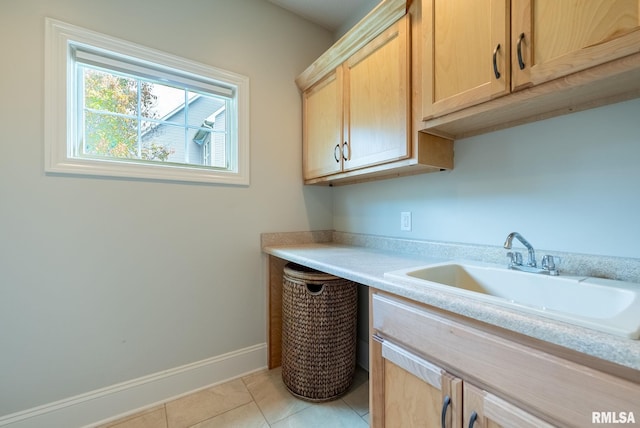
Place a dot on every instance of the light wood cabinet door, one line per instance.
(485, 410)
(377, 101)
(466, 47)
(552, 38)
(414, 392)
(322, 127)
(417, 393)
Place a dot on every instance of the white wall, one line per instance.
(106, 280)
(569, 183)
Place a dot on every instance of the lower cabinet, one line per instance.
(430, 368)
(417, 393)
(414, 392)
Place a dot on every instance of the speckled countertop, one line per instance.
(367, 265)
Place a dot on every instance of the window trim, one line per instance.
(59, 121)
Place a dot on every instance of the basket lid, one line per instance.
(294, 270)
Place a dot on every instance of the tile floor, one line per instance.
(256, 401)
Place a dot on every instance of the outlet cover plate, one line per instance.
(405, 221)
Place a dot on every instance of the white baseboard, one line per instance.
(118, 400)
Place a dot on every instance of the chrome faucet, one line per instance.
(532, 253)
(515, 258)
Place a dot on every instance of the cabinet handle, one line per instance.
(443, 414)
(519, 50)
(336, 152)
(472, 419)
(348, 155)
(495, 61)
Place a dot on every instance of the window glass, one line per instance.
(127, 117)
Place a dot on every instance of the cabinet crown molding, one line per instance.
(381, 17)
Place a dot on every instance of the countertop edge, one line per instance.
(366, 266)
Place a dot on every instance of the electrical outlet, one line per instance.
(405, 221)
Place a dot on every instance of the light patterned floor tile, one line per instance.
(152, 418)
(256, 401)
(334, 414)
(247, 416)
(272, 397)
(358, 399)
(197, 407)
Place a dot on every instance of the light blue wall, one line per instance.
(106, 280)
(570, 183)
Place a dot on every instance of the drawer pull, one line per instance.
(346, 156)
(519, 50)
(336, 152)
(495, 61)
(472, 419)
(443, 414)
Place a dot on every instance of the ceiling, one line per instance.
(330, 14)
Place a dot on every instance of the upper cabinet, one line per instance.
(358, 115)
(358, 120)
(466, 53)
(490, 64)
(552, 39)
(392, 94)
(377, 100)
(322, 132)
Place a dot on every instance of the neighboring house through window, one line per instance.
(115, 108)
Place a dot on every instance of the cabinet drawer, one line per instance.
(547, 386)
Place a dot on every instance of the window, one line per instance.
(118, 109)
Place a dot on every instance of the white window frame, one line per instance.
(60, 112)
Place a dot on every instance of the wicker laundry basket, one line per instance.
(319, 333)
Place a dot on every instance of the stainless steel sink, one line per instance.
(601, 304)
